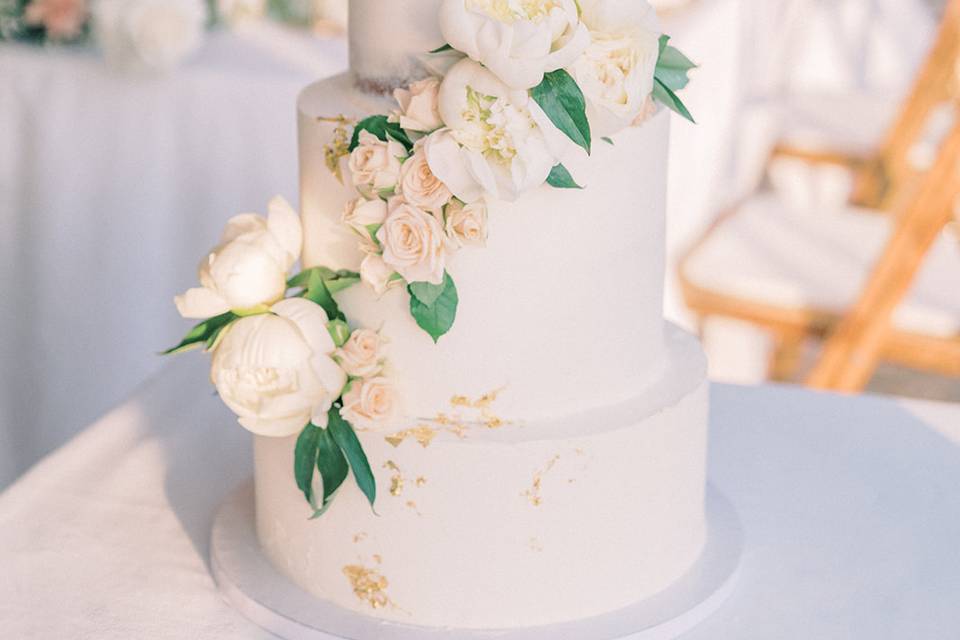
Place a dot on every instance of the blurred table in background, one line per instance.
(111, 188)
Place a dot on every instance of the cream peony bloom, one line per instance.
(466, 224)
(375, 164)
(493, 143)
(616, 71)
(377, 274)
(370, 403)
(414, 244)
(418, 106)
(149, 35)
(248, 269)
(518, 40)
(362, 355)
(419, 186)
(276, 371)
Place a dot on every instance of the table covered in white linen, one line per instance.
(111, 188)
(850, 508)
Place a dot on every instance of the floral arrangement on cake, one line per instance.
(145, 35)
(520, 93)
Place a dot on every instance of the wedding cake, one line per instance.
(477, 335)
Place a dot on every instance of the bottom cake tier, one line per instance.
(481, 524)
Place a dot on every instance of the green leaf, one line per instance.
(561, 179)
(673, 67)
(332, 465)
(318, 292)
(426, 292)
(608, 140)
(383, 129)
(436, 318)
(334, 280)
(663, 94)
(442, 49)
(305, 460)
(204, 334)
(563, 102)
(346, 439)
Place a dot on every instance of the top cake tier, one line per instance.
(388, 39)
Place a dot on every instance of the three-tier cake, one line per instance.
(476, 336)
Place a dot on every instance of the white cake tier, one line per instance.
(561, 310)
(380, 57)
(511, 527)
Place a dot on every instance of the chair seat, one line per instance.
(852, 123)
(773, 253)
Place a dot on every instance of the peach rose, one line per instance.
(362, 355)
(375, 164)
(466, 224)
(414, 244)
(62, 19)
(419, 186)
(419, 110)
(369, 403)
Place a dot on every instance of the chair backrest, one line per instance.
(896, 166)
(853, 351)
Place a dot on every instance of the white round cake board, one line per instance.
(250, 584)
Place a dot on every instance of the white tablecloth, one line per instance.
(850, 507)
(111, 188)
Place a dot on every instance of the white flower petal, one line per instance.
(200, 302)
(448, 163)
(310, 319)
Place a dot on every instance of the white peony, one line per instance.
(362, 356)
(616, 71)
(496, 140)
(239, 12)
(466, 224)
(518, 40)
(375, 164)
(149, 35)
(419, 186)
(248, 269)
(414, 243)
(377, 274)
(276, 370)
(370, 403)
(419, 110)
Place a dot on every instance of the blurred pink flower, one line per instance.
(62, 19)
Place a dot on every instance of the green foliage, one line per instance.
(561, 179)
(562, 100)
(437, 316)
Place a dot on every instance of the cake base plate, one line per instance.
(251, 585)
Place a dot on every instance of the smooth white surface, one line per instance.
(258, 591)
(577, 274)
(850, 506)
(626, 482)
(111, 189)
(377, 54)
(807, 258)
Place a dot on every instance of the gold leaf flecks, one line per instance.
(423, 434)
(339, 145)
(396, 480)
(360, 537)
(535, 493)
(368, 585)
(421, 482)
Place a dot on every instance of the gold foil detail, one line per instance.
(535, 493)
(339, 145)
(360, 537)
(421, 482)
(413, 507)
(396, 480)
(423, 434)
(368, 584)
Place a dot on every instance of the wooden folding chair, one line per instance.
(798, 272)
(865, 334)
(874, 173)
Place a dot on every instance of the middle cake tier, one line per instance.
(559, 312)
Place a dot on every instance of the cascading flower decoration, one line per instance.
(524, 90)
(527, 86)
(288, 364)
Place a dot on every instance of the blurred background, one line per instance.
(812, 231)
